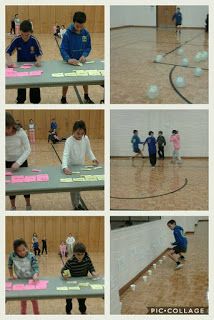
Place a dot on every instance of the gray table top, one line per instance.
(52, 293)
(50, 67)
(54, 185)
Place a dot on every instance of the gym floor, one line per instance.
(133, 70)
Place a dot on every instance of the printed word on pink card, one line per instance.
(18, 287)
(25, 67)
(35, 73)
(8, 284)
(29, 287)
(17, 179)
(30, 179)
(8, 173)
(42, 177)
(22, 74)
(36, 170)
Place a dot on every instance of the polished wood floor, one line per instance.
(51, 52)
(166, 287)
(51, 265)
(133, 51)
(136, 186)
(42, 154)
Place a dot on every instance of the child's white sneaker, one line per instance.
(179, 266)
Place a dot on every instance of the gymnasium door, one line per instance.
(164, 16)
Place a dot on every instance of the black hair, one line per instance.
(16, 14)
(178, 8)
(150, 132)
(174, 131)
(79, 124)
(10, 122)
(171, 222)
(79, 17)
(79, 247)
(26, 26)
(135, 131)
(19, 242)
(161, 132)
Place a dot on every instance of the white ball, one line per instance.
(158, 58)
(153, 91)
(204, 55)
(180, 51)
(198, 57)
(198, 72)
(185, 62)
(180, 82)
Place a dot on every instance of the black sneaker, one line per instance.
(88, 101)
(63, 100)
(79, 207)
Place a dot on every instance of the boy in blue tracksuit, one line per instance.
(180, 244)
(28, 50)
(177, 16)
(135, 144)
(75, 47)
(151, 141)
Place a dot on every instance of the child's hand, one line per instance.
(82, 59)
(67, 171)
(35, 276)
(12, 65)
(15, 166)
(73, 61)
(12, 277)
(37, 64)
(95, 162)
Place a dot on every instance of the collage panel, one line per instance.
(54, 159)
(159, 54)
(54, 265)
(167, 273)
(57, 47)
(157, 163)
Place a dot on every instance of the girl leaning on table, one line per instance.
(76, 148)
(17, 151)
(22, 264)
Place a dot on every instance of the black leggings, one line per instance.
(152, 158)
(82, 306)
(35, 96)
(9, 165)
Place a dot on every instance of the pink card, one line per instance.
(7, 181)
(42, 177)
(17, 179)
(31, 281)
(11, 75)
(30, 179)
(35, 73)
(8, 173)
(18, 287)
(8, 284)
(25, 67)
(29, 287)
(36, 170)
(9, 70)
(41, 286)
(22, 74)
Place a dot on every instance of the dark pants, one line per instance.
(161, 152)
(44, 248)
(9, 165)
(152, 158)
(35, 96)
(82, 306)
(35, 251)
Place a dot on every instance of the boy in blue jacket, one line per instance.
(177, 16)
(151, 141)
(75, 47)
(180, 244)
(135, 144)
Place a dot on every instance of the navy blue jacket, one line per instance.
(180, 239)
(177, 17)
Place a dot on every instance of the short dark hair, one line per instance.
(79, 247)
(150, 132)
(161, 132)
(79, 124)
(171, 222)
(10, 121)
(174, 131)
(135, 131)
(26, 26)
(19, 242)
(79, 17)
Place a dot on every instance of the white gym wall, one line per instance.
(191, 124)
(140, 244)
(193, 16)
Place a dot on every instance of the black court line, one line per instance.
(155, 196)
(174, 87)
(178, 65)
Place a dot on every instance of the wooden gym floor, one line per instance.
(51, 265)
(42, 154)
(51, 52)
(177, 187)
(166, 287)
(133, 50)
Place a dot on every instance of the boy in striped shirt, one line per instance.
(79, 266)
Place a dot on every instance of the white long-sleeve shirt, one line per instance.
(70, 240)
(75, 151)
(17, 147)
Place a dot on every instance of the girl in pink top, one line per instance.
(175, 139)
(62, 249)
